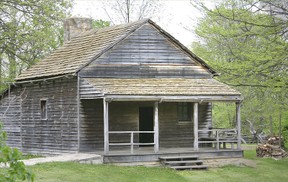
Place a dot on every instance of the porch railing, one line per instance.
(219, 137)
(131, 143)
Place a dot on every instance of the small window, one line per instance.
(43, 104)
(184, 111)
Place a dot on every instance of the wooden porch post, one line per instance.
(238, 121)
(195, 116)
(106, 126)
(156, 128)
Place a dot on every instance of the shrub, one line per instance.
(285, 136)
(9, 158)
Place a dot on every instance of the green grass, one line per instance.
(266, 170)
(64, 172)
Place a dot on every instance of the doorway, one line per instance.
(146, 117)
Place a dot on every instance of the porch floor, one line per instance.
(147, 154)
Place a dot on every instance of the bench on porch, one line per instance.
(219, 138)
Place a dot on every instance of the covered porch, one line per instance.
(155, 139)
(144, 118)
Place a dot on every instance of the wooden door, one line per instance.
(146, 117)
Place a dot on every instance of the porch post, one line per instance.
(238, 120)
(106, 126)
(195, 116)
(156, 128)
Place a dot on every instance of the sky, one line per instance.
(177, 17)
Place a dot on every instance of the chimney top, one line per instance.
(74, 26)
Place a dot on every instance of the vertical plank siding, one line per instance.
(145, 53)
(56, 134)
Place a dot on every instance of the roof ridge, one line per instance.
(94, 31)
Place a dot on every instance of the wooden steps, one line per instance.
(183, 162)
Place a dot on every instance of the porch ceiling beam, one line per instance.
(174, 98)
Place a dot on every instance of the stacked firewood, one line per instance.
(271, 148)
(275, 141)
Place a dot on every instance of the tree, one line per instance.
(246, 41)
(28, 30)
(100, 24)
(124, 11)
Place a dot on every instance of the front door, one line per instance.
(146, 116)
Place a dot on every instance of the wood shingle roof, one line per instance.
(161, 86)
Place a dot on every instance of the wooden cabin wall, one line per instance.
(10, 116)
(205, 119)
(145, 53)
(124, 116)
(91, 125)
(173, 133)
(56, 134)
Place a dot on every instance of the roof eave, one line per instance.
(178, 98)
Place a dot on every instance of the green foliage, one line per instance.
(247, 45)
(9, 157)
(285, 136)
(100, 24)
(223, 115)
(29, 30)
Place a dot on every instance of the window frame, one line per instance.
(184, 111)
(43, 109)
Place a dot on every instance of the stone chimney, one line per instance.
(74, 26)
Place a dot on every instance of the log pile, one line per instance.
(275, 141)
(271, 148)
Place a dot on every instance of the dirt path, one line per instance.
(229, 161)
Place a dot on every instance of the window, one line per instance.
(184, 111)
(43, 105)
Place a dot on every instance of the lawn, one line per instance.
(266, 170)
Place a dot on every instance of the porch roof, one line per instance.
(167, 87)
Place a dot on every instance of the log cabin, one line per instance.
(130, 89)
